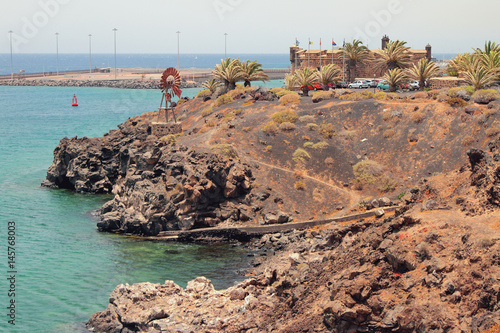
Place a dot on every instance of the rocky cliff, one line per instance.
(431, 267)
(157, 186)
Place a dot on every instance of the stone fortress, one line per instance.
(300, 58)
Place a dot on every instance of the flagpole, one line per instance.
(332, 50)
(320, 53)
(308, 54)
(343, 62)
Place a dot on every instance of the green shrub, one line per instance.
(236, 93)
(283, 92)
(204, 93)
(327, 130)
(223, 99)
(368, 93)
(291, 98)
(226, 150)
(308, 144)
(380, 95)
(170, 138)
(207, 112)
(323, 94)
(276, 90)
(320, 145)
(300, 155)
(237, 112)
(485, 96)
(285, 116)
(306, 119)
(300, 185)
(270, 128)
(312, 126)
(228, 117)
(417, 117)
(461, 91)
(386, 184)
(287, 126)
(367, 171)
(353, 97)
(268, 148)
(456, 102)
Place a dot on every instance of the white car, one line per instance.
(414, 85)
(358, 84)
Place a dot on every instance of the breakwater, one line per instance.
(122, 84)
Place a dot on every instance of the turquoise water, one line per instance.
(65, 268)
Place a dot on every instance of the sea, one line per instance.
(46, 62)
(59, 269)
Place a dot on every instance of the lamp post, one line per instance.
(225, 45)
(11, 70)
(57, 53)
(178, 34)
(90, 53)
(114, 30)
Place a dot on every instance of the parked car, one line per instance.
(383, 85)
(372, 83)
(358, 84)
(414, 85)
(339, 84)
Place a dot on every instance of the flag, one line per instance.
(310, 43)
(333, 43)
(296, 42)
(344, 43)
(320, 42)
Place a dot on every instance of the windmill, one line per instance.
(170, 84)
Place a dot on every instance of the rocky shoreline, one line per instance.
(120, 84)
(404, 273)
(432, 266)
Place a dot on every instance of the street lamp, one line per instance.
(90, 53)
(57, 53)
(178, 34)
(114, 30)
(11, 70)
(225, 45)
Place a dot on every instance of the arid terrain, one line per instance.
(255, 158)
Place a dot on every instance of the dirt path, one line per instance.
(353, 197)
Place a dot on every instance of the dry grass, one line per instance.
(291, 98)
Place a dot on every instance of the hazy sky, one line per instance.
(253, 26)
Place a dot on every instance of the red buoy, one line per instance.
(75, 102)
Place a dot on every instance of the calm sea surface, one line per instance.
(65, 268)
(38, 63)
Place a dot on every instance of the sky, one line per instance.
(252, 26)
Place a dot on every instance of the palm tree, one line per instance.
(211, 85)
(305, 77)
(488, 48)
(423, 71)
(394, 78)
(328, 74)
(252, 71)
(461, 62)
(395, 55)
(355, 53)
(290, 81)
(229, 72)
(478, 75)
